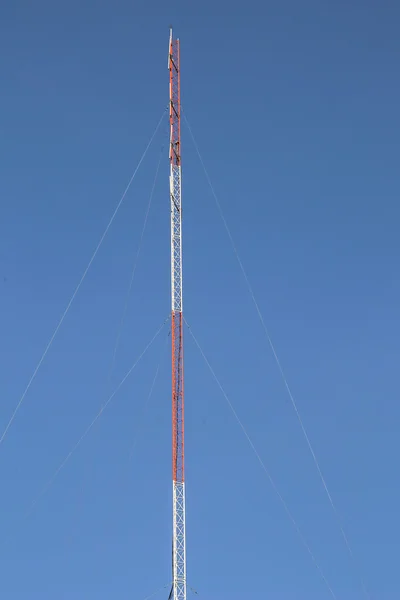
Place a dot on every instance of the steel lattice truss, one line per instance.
(179, 563)
(176, 238)
(178, 462)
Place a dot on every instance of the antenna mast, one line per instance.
(178, 465)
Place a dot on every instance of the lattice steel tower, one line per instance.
(178, 591)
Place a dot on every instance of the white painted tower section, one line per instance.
(176, 239)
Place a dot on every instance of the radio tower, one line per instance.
(178, 591)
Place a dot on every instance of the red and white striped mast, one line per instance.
(178, 421)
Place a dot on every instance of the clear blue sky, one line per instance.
(295, 107)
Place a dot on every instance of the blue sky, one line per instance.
(295, 110)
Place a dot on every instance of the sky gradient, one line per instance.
(295, 111)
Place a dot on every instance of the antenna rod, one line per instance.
(178, 421)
